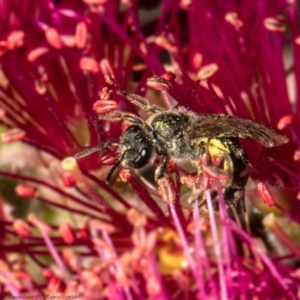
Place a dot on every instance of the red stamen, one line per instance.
(275, 24)
(24, 190)
(136, 218)
(89, 64)
(81, 35)
(296, 156)
(12, 135)
(36, 53)
(100, 225)
(68, 40)
(265, 194)
(153, 287)
(158, 83)
(22, 228)
(166, 44)
(33, 219)
(197, 61)
(207, 71)
(104, 106)
(67, 233)
(233, 19)
(15, 39)
(68, 179)
(71, 259)
(107, 71)
(53, 38)
(285, 121)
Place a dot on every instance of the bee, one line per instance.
(205, 140)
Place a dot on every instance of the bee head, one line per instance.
(135, 149)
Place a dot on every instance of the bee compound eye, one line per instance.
(142, 158)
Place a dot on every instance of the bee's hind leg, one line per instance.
(211, 176)
(210, 171)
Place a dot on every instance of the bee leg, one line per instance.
(114, 167)
(161, 170)
(208, 170)
(202, 179)
(219, 163)
(118, 116)
(204, 162)
(142, 103)
(121, 116)
(234, 198)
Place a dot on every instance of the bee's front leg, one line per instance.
(165, 183)
(142, 102)
(121, 116)
(162, 167)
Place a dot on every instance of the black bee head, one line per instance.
(135, 149)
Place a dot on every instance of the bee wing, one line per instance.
(216, 126)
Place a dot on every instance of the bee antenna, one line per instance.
(91, 150)
(111, 171)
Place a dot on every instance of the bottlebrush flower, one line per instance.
(63, 64)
